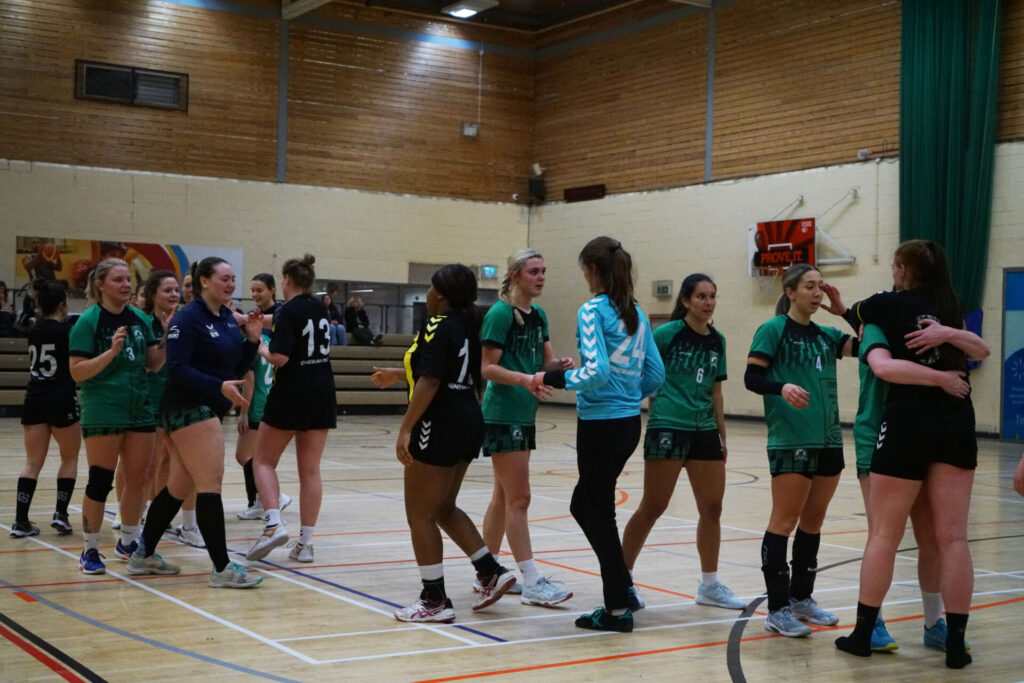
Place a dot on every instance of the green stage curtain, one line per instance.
(949, 61)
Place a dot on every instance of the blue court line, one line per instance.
(366, 595)
(148, 641)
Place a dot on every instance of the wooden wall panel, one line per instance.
(801, 83)
(1011, 73)
(229, 130)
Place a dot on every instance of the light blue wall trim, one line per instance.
(709, 118)
(283, 57)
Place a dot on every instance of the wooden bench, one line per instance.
(351, 365)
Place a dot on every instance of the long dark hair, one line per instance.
(929, 271)
(268, 280)
(457, 283)
(151, 285)
(49, 297)
(686, 291)
(791, 280)
(605, 258)
(201, 269)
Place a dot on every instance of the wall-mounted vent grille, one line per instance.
(131, 85)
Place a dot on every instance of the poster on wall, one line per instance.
(774, 246)
(1012, 404)
(70, 260)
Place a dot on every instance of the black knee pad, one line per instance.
(101, 480)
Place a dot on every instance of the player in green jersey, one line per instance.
(111, 348)
(515, 347)
(792, 364)
(687, 427)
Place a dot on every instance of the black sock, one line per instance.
(250, 482)
(956, 651)
(433, 590)
(805, 564)
(26, 489)
(487, 565)
(161, 512)
(859, 642)
(65, 487)
(775, 570)
(210, 518)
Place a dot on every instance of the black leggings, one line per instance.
(602, 449)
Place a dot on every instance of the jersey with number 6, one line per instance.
(48, 357)
(442, 350)
(302, 332)
(804, 355)
(693, 363)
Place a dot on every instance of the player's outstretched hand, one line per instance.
(795, 396)
(535, 385)
(230, 390)
(385, 377)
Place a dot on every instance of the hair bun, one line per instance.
(309, 259)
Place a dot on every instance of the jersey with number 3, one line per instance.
(303, 333)
(617, 369)
(442, 350)
(804, 355)
(48, 357)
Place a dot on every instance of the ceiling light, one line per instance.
(468, 8)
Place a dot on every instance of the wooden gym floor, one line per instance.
(332, 620)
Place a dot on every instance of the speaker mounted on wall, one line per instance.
(538, 190)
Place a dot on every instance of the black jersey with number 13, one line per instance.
(302, 332)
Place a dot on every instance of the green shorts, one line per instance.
(662, 443)
(509, 438)
(113, 431)
(177, 419)
(809, 462)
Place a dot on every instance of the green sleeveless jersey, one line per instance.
(804, 355)
(693, 363)
(522, 350)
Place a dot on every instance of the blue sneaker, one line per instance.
(92, 564)
(935, 637)
(125, 552)
(881, 641)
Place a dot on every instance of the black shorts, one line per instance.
(54, 408)
(446, 440)
(300, 415)
(911, 439)
(808, 462)
(254, 425)
(663, 443)
(509, 438)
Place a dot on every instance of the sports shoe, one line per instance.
(718, 595)
(603, 620)
(23, 529)
(255, 511)
(91, 563)
(271, 538)
(544, 593)
(125, 552)
(808, 610)
(191, 537)
(935, 636)
(300, 552)
(61, 523)
(515, 589)
(424, 610)
(154, 564)
(881, 641)
(233, 576)
(635, 603)
(117, 522)
(493, 587)
(783, 622)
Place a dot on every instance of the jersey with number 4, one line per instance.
(693, 363)
(804, 355)
(617, 369)
(442, 350)
(48, 357)
(303, 333)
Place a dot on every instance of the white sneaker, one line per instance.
(233, 576)
(808, 610)
(495, 587)
(784, 623)
(300, 552)
(516, 589)
(283, 501)
(718, 595)
(544, 593)
(254, 511)
(191, 537)
(426, 611)
(268, 540)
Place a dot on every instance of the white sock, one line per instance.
(480, 553)
(619, 611)
(91, 540)
(933, 607)
(271, 517)
(431, 572)
(528, 568)
(709, 578)
(129, 534)
(306, 534)
(497, 557)
(188, 518)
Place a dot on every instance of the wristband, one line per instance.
(555, 378)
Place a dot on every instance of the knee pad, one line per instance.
(101, 480)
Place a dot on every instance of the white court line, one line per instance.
(192, 608)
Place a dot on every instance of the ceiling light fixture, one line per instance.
(467, 8)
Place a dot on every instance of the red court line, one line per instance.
(644, 653)
(25, 597)
(47, 661)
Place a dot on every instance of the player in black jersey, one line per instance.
(440, 435)
(301, 404)
(51, 408)
(926, 440)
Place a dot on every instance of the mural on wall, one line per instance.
(70, 260)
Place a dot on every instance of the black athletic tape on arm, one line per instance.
(555, 378)
(756, 379)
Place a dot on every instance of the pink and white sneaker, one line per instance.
(424, 610)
